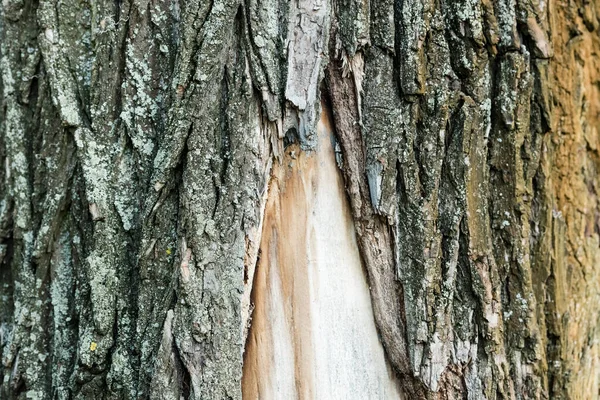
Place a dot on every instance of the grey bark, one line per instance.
(136, 139)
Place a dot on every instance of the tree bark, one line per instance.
(307, 199)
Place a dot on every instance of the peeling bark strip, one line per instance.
(307, 341)
(137, 140)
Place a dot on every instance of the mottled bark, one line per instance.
(138, 141)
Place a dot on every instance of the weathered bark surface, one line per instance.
(138, 140)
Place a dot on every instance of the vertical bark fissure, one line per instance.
(137, 142)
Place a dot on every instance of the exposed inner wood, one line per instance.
(313, 334)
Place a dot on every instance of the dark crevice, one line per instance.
(184, 376)
(196, 44)
(118, 4)
(422, 168)
(221, 168)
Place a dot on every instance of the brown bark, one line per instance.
(152, 189)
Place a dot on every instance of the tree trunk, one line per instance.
(367, 199)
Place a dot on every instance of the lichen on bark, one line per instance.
(136, 144)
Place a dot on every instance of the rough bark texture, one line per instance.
(137, 143)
